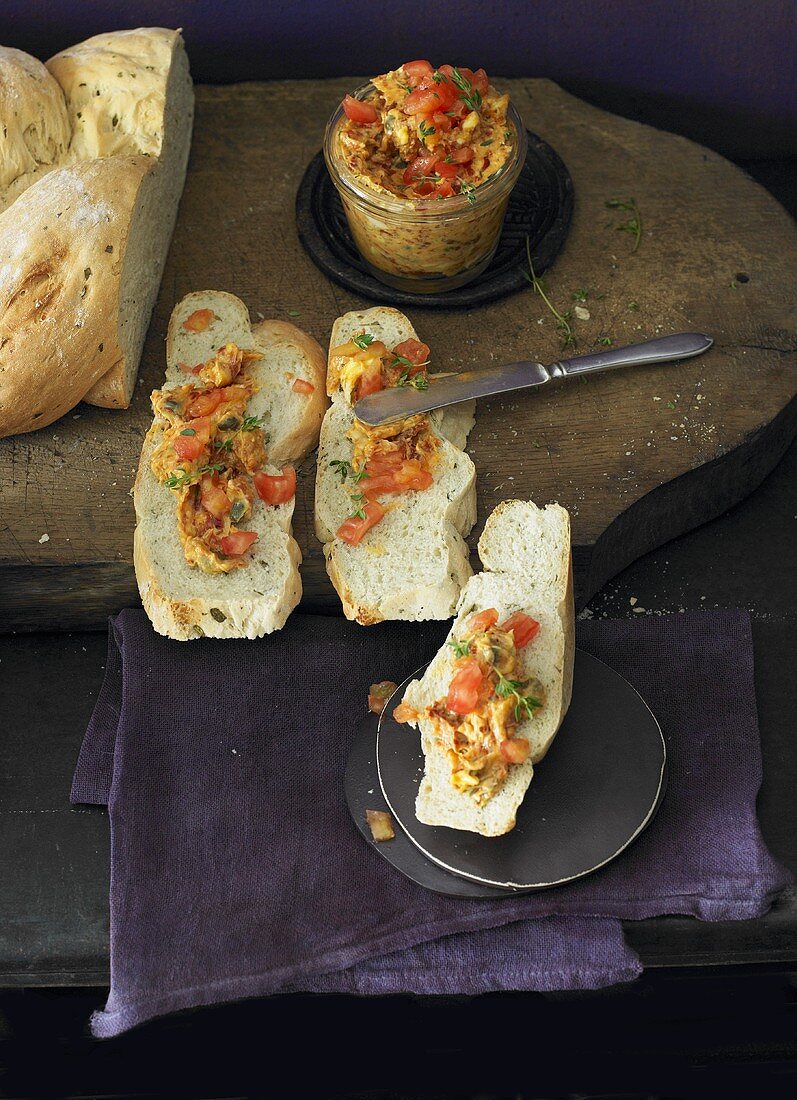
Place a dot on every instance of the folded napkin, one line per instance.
(236, 870)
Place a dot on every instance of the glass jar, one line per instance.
(425, 246)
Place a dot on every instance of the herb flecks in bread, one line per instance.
(410, 559)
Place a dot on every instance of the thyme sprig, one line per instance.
(634, 223)
(525, 705)
(562, 319)
(468, 94)
(461, 646)
(363, 341)
(180, 477)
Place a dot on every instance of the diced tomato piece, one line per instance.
(447, 169)
(205, 403)
(482, 620)
(462, 154)
(420, 167)
(358, 111)
(213, 496)
(414, 350)
(276, 488)
(189, 447)
(378, 695)
(522, 627)
(301, 385)
(404, 712)
(238, 543)
(463, 692)
(444, 190)
(416, 71)
(370, 382)
(425, 188)
(425, 101)
(515, 750)
(384, 462)
(480, 82)
(199, 320)
(441, 122)
(353, 529)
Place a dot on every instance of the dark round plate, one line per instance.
(540, 208)
(596, 790)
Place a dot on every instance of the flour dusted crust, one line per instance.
(414, 562)
(525, 551)
(63, 244)
(111, 118)
(183, 602)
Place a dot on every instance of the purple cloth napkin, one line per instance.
(236, 870)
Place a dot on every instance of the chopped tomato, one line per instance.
(199, 320)
(353, 529)
(482, 620)
(462, 154)
(425, 101)
(276, 488)
(522, 627)
(441, 122)
(515, 750)
(420, 167)
(189, 447)
(416, 71)
(463, 692)
(205, 403)
(413, 350)
(358, 111)
(447, 169)
(444, 190)
(301, 385)
(427, 187)
(370, 382)
(213, 496)
(378, 695)
(238, 543)
(395, 476)
(480, 82)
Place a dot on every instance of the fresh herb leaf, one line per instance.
(341, 467)
(364, 340)
(359, 476)
(437, 77)
(468, 94)
(633, 306)
(425, 130)
(188, 431)
(525, 705)
(634, 224)
(484, 144)
(249, 423)
(580, 295)
(468, 190)
(461, 646)
(606, 341)
(562, 319)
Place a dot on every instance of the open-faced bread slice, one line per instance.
(130, 92)
(525, 551)
(182, 601)
(414, 562)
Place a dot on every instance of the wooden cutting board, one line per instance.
(637, 456)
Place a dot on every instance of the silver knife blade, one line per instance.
(402, 401)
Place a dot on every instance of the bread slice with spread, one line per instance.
(215, 492)
(492, 700)
(393, 503)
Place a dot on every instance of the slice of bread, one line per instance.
(412, 564)
(182, 601)
(130, 92)
(525, 551)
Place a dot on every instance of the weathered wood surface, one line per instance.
(717, 254)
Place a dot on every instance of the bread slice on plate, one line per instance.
(525, 551)
(182, 601)
(130, 92)
(414, 562)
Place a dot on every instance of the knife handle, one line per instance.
(683, 345)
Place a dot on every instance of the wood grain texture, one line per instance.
(602, 446)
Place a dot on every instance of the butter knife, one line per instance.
(399, 402)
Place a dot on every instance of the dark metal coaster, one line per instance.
(599, 786)
(540, 208)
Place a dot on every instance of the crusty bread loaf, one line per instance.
(63, 257)
(130, 92)
(104, 132)
(182, 601)
(413, 564)
(525, 551)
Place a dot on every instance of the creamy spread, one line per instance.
(387, 458)
(476, 724)
(211, 454)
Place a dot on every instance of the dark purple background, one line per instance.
(721, 71)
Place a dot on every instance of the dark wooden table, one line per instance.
(729, 980)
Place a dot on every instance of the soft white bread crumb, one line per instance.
(526, 554)
(182, 601)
